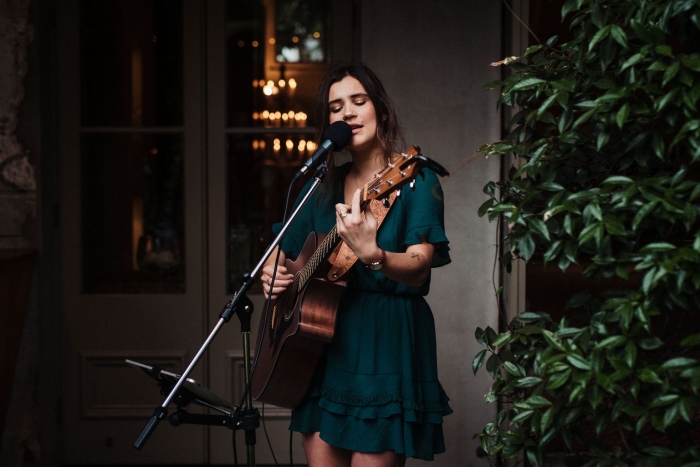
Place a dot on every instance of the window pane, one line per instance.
(300, 31)
(131, 63)
(133, 213)
(259, 174)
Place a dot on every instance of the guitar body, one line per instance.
(293, 343)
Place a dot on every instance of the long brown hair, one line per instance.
(389, 132)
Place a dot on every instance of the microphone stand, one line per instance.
(241, 305)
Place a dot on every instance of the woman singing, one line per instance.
(375, 399)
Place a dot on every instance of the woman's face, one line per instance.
(349, 102)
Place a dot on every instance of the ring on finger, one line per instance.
(342, 214)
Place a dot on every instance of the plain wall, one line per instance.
(433, 58)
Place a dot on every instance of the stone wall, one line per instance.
(17, 178)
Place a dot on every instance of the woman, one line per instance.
(376, 398)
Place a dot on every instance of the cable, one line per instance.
(235, 450)
(266, 436)
(291, 458)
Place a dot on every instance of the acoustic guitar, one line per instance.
(302, 321)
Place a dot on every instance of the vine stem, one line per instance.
(522, 22)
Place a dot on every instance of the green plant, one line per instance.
(607, 139)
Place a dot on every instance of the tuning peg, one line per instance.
(385, 202)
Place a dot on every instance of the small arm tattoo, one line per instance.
(415, 255)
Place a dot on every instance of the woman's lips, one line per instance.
(355, 129)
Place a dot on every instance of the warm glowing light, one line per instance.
(267, 90)
(295, 39)
(275, 90)
(310, 146)
(241, 43)
(317, 35)
(256, 144)
(276, 141)
(271, 83)
(154, 151)
(272, 40)
(278, 115)
(291, 114)
(261, 83)
(289, 144)
(262, 144)
(255, 115)
(302, 145)
(272, 116)
(285, 117)
(282, 83)
(292, 83)
(265, 114)
(255, 83)
(255, 43)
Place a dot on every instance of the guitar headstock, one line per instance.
(401, 171)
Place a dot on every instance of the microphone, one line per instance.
(336, 137)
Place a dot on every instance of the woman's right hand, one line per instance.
(282, 280)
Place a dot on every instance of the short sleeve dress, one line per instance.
(377, 388)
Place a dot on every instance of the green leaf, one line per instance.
(537, 402)
(659, 451)
(527, 83)
(522, 416)
(618, 180)
(643, 211)
(679, 362)
(599, 36)
(664, 50)
(493, 365)
(649, 376)
(633, 60)
(578, 361)
(553, 340)
(692, 340)
(513, 369)
(619, 35)
(558, 379)
(485, 207)
(537, 225)
(566, 84)
(532, 49)
(622, 115)
(671, 72)
(480, 336)
(658, 246)
(528, 381)
(612, 341)
(550, 186)
(664, 400)
(584, 117)
(526, 246)
(502, 339)
(478, 361)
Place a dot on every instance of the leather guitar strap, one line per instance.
(343, 257)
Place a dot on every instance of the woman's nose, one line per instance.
(349, 114)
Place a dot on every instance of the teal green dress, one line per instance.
(377, 388)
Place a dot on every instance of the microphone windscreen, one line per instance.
(339, 133)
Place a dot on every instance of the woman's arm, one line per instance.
(410, 268)
(282, 279)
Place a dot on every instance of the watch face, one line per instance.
(376, 266)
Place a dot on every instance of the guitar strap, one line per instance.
(343, 257)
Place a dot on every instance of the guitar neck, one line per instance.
(321, 254)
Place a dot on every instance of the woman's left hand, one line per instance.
(360, 235)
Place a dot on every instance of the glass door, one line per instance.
(132, 221)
